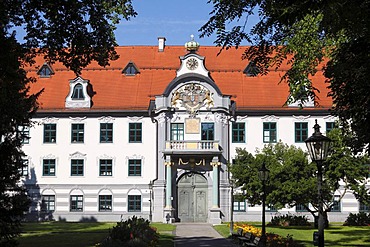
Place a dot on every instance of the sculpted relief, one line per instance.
(192, 97)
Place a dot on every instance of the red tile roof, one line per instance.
(116, 91)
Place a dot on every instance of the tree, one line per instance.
(74, 33)
(293, 179)
(332, 36)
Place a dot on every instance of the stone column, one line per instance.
(168, 184)
(215, 187)
(215, 211)
(168, 211)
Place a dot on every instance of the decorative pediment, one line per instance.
(47, 120)
(77, 155)
(135, 119)
(301, 117)
(106, 119)
(77, 119)
(270, 118)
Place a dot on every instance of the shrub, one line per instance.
(132, 232)
(289, 220)
(274, 240)
(360, 219)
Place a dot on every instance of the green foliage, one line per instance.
(360, 219)
(72, 32)
(16, 107)
(289, 220)
(301, 34)
(132, 232)
(293, 179)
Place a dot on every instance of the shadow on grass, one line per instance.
(76, 234)
(166, 240)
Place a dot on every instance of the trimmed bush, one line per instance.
(289, 220)
(360, 219)
(132, 232)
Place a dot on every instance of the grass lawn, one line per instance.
(336, 235)
(61, 234)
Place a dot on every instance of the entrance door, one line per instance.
(192, 198)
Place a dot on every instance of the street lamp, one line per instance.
(150, 200)
(263, 174)
(318, 147)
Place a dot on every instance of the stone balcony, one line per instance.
(192, 148)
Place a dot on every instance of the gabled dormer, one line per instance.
(251, 69)
(45, 71)
(130, 69)
(78, 96)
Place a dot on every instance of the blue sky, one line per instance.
(175, 20)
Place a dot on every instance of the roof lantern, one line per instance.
(192, 45)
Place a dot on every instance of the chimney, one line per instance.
(161, 43)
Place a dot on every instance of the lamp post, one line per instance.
(263, 174)
(318, 147)
(150, 200)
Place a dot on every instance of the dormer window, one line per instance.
(78, 96)
(45, 71)
(251, 69)
(130, 69)
(78, 92)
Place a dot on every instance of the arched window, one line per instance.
(78, 92)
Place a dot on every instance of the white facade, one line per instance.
(168, 163)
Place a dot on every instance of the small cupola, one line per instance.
(192, 45)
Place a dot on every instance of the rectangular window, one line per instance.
(24, 169)
(50, 133)
(77, 134)
(239, 204)
(301, 132)
(105, 203)
(134, 167)
(208, 131)
(329, 126)
(269, 132)
(336, 204)
(76, 203)
(300, 208)
(238, 132)
(77, 167)
(48, 167)
(271, 208)
(134, 203)
(25, 134)
(106, 132)
(135, 132)
(364, 208)
(105, 167)
(48, 203)
(177, 132)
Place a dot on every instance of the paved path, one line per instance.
(199, 235)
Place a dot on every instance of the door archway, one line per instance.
(192, 198)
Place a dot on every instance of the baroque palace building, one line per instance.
(151, 135)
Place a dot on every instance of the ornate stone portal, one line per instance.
(192, 97)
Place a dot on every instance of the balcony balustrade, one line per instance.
(192, 147)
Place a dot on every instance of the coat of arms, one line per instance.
(192, 96)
